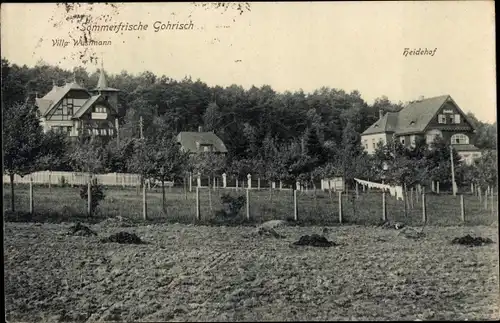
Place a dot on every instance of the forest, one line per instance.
(285, 136)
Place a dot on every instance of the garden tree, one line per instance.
(293, 164)
(159, 158)
(240, 168)
(314, 149)
(54, 155)
(210, 164)
(438, 161)
(22, 142)
(351, 149)
(487, 169)
(88, 155)
(13, 89)
(486, 134)
(117, 155)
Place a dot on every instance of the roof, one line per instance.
(387, 123)
(416, 116)
(102, 84)
(413, 118)
(189, 140)
(466, 147)
(86, 106)
(55, 95)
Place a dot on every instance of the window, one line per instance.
(95, 131)
(431, 135)
(111, 131)
(373, 144)
(206, 148)
(442, 118)
(402, 140)
(103, 132)
(459, 139)
(413, 140)
(457, 118)
(100, 109)
(365, 142)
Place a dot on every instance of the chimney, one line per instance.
(380, 113)
(200, 129)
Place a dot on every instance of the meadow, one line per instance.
(63, 204)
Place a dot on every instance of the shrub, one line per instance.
(97, 191)
(232, 205)
(63, 182)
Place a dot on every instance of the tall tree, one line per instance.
(22, 142)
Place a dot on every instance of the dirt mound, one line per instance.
(314, 240)
(412, 233)
(117, 221)
(81, 230)
(392, 225)
(123, 237)
(468, 240)
(263, 231)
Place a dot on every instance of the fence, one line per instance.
(133, 180)
(313, 207)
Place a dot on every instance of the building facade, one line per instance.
(425, 119)
(74, 110)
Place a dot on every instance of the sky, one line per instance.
(287, 45)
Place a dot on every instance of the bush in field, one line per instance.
(232, 205)
(97, 192)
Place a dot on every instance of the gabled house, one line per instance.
(425, 118)
(75, 110)
(198, 142)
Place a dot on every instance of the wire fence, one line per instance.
(320, 207)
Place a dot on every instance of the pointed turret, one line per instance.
(102, 83)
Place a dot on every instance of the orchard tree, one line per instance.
(55, 152)
(22, 142)
(161, 159)
(487, 168)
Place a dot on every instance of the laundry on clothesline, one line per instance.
(396, 191)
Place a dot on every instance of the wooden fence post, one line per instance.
(340, 207)
(384, 207)
(197, 203)
(437, 187)
(31, 196)
(144, 203)
(357, 192)
(258, 183)
(424, 211)
(492, 202)
(89, 197)
(248, 203)
(485, 199)
(462, 208)
(295, 206)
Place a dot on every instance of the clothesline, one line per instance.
(396, 191)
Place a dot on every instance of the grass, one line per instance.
(63, 204)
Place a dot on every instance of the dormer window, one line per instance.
(375, 126)
(442, 119)
(412, 123)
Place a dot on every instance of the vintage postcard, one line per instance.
(250, 161)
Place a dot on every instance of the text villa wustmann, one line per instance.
(157, 26)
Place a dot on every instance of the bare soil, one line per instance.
(200, 273)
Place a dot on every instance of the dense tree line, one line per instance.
(277, 136)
